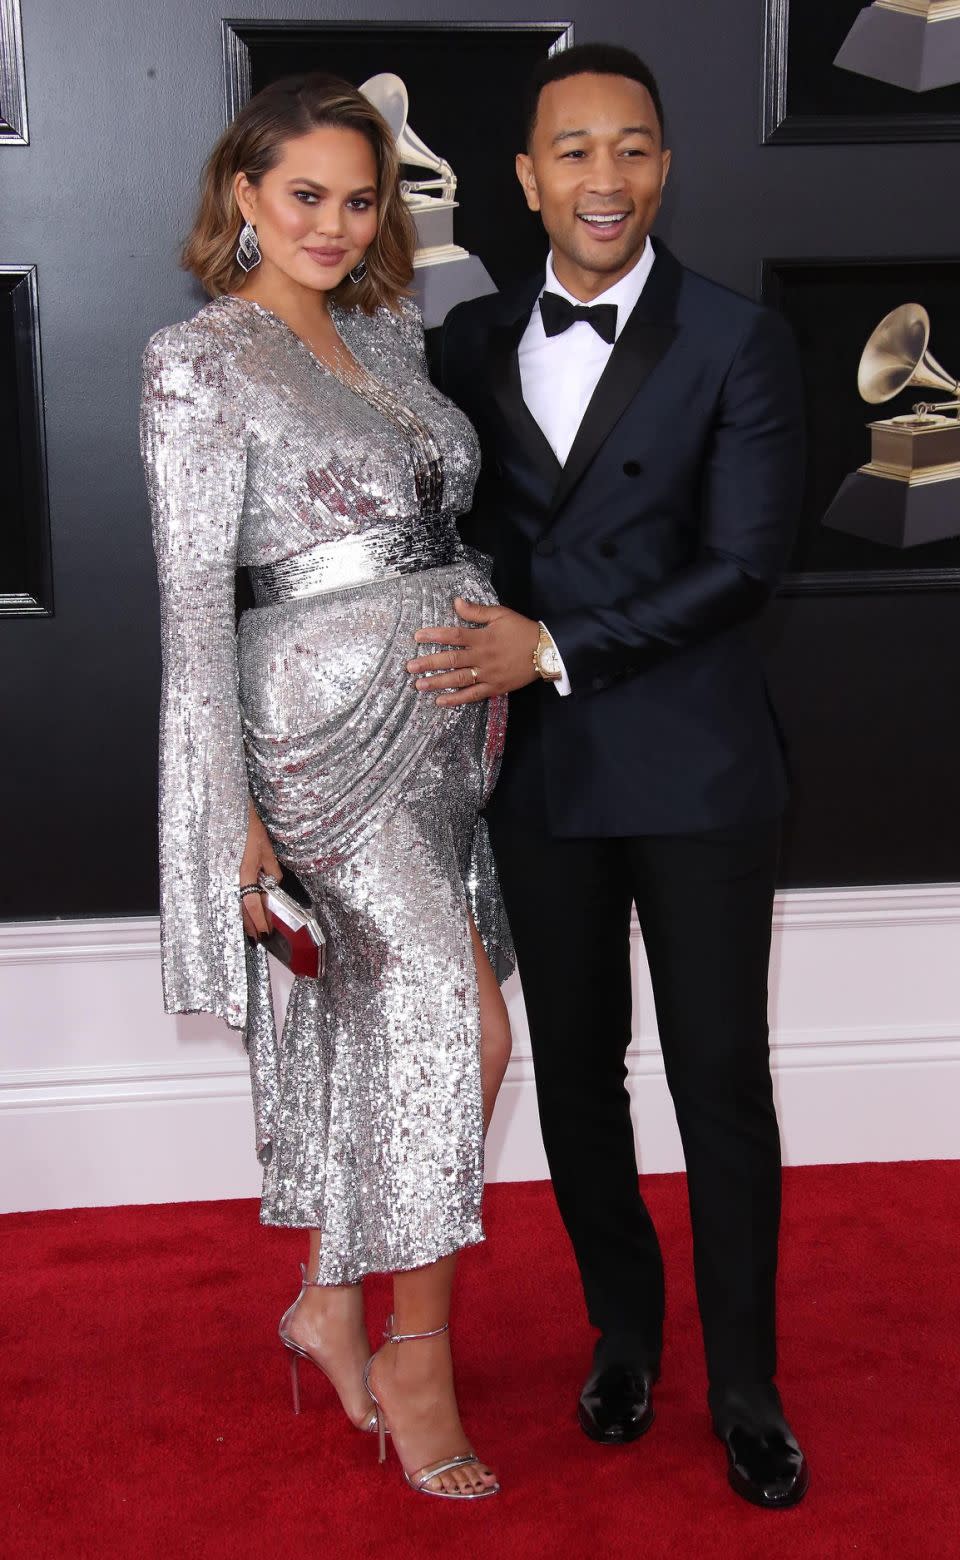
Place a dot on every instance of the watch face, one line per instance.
(550, 662)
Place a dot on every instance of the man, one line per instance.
(642, 464)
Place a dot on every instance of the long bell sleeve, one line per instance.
(194, 453)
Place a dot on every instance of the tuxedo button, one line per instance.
(608, 549)
(545, 549)
(598, 683)
(632, 468)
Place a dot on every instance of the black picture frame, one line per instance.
(13, 87)
(806, 99)
(833, 306)
(448, 68)
(25, 576)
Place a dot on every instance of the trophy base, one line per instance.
(919, 51)
(915, 449)
(433, 221)
(437, 288)
(896, 512)
(441, 255)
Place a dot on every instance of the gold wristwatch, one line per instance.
(546, 658)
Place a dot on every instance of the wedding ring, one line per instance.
(475, 675)
(249, 888)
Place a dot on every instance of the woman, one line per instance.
(290, 427)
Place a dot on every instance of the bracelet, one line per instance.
(250, 888)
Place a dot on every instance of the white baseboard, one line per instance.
(105, 1100)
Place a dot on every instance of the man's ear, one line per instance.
(667, 160)
(528, 180)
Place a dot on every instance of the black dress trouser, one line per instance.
(704, 903)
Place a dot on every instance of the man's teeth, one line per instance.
(606, 221)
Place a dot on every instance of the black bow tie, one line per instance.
(558, 315)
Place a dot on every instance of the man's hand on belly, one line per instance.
(480, 662)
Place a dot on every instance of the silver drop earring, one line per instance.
(248, 249)
(358, 273)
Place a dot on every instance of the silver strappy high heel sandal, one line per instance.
(298, 1352)
(420, 1480)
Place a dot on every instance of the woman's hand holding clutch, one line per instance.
(258, 856)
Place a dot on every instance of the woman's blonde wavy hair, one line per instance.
(252, 145)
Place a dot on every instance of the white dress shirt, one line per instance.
(558, 374)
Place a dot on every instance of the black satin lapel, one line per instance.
(643, 342)
(632, 361)
(508, 394)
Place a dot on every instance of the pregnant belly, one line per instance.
(335, 732)
(308, 661)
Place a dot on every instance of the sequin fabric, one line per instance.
(340, 498)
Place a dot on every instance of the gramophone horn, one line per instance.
(388, 93)
(897, 356)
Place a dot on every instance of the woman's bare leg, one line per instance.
(329, 1324)
(330, 1320)
(414, 1380)
(495, 1041)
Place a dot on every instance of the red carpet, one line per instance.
(144, 1407)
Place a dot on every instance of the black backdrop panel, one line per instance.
(14, 569)
(833, 308)
(867, 687)
(465, 86)
(819, 101)
(24, 536)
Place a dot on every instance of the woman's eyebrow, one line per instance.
(321, 189)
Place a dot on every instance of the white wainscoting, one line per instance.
(106, 1100)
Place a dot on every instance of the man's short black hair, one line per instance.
(595, 59)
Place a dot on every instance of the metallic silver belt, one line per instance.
(378, 554)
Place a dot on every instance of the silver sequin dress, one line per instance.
(341, 500)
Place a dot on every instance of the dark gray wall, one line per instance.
(125, 97)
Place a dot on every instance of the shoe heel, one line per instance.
(295, 1380)
(381, 1435)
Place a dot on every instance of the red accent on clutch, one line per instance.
(296, 938)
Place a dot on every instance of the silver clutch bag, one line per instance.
(296, 938)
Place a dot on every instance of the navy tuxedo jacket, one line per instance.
(649, 555)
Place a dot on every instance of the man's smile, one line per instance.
(604, 224)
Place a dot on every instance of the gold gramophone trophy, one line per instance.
(444, 273)
(908, 493)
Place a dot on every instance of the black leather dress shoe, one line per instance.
(765, 1464)
(616, 1404)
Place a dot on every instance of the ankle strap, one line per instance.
(392, 1337)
